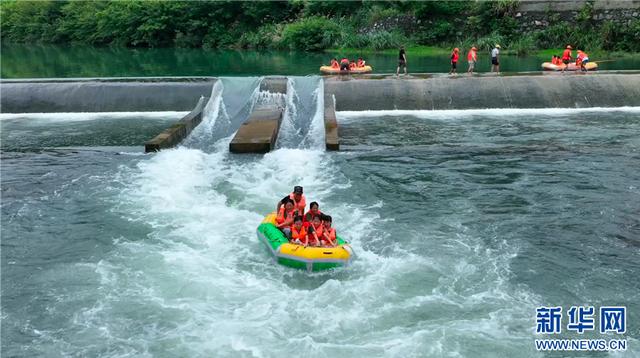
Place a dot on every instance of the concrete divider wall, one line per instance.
(102, 95)
(173, 135)
(462, 92)
(331, 138)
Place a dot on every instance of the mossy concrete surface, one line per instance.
(259, 133)
(173, 135)
(571, 90)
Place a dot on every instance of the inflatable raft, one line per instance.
(328, 70)
(548, 66)
(300, 257)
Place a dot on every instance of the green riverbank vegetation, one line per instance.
(428, 26)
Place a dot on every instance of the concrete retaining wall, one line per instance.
(112, 95)
(542, 91)
(173, 135)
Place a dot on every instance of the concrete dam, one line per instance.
(258, 131)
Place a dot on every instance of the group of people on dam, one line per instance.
(312, 228)
(581, 59)
(558, 62)
(472, 59)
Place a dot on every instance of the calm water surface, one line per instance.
(40, 61)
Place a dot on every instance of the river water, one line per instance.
(463, 223)
(50, 61)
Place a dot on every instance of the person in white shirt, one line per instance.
(495, 59)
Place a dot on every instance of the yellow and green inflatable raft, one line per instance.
(298, 256)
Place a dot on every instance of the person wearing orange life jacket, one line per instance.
(582, 60)
(455, 55)
(298, 232)
(344, 64)
(284, 220)
(314, 231)
(328, 233)
(299, 201)
(472, 58)
(566, 57)
(314, 210)
(360, 63)
(352, 65)
(335, 64)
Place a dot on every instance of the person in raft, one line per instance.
(314, 210)
(566, 57)
(495, 59)
(286, 215)
(315, 231)
(299, 201)
(581, 60)
(344, 64)
(472, 58)
(402, 61)
(298, 232)
(352, 65)
(328, 233)
(455, 55)
(335, 64)
(360, 62)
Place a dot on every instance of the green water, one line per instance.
(463, 222)
(40, 61)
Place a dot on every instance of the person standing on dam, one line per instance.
(455, 55)
(472, 58)
(402, 61)
(566, 57)
(495, 59)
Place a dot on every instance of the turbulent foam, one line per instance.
(203, 273)
(345, 116)
(303, 120)
(89, 116)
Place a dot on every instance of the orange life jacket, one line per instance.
(318, 230)
(298, 234)
(300, 205)
(335, 64)
(566, 55)
(282, 216)
(308, 217)
(360, 63)
(332, 235)
(352, 65)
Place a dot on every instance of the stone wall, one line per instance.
(538, 20)
(530, 15)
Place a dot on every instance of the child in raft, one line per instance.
(315, 231)
(299, 232)
(285, 218)
(314, 210)
(335, 64)
(328, 234)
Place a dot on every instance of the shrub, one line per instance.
(310, 34)
(523, 45)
